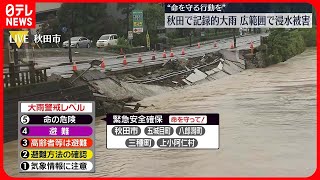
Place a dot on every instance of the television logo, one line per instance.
(20, 15)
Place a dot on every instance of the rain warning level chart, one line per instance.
(165, 131)
(56, 136)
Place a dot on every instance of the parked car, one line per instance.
(107, 40)
(78, 42)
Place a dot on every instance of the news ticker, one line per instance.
(238, 15)
(60, 136)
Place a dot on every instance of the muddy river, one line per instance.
(268, 128)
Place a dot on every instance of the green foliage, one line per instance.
(173, 35)
(125, 49)
(139, 39)
(284, 44)
(314, 15)
(89, 20)
(153, 16)
(51, 26)
(117, 48)
(73, 16)
(122, 42)
(126, 9)
(195, 39)
(153, 38)
(309, 36)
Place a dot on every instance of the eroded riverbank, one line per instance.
(268, 128)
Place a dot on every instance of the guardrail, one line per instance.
(16, 77)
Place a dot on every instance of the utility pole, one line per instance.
(26, 46)
(127, 17)
(190, 34)
(15, 54)
(234, 38)
(70, 54)
(7, 52)
(70, 35)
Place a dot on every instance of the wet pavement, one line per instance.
(113, 63)
(268, 128)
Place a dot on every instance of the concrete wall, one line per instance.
(228, 65)
(122, 91)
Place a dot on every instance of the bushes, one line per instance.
(122, 42)
(309, 36)
(117, 48)
(179, 41)
(125, 49)
(139, 39)
(284, 44)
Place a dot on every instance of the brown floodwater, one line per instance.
(267, 128)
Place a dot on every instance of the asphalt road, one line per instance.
(115, 63)
(267, 128)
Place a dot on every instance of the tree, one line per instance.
(314, 15)
(153, 16)
(50, 26)
(90, 20)
(126, 8)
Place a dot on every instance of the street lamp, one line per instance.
(93, 63)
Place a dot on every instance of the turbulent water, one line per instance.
(268, 128)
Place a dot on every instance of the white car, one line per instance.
(107, 40)
(78, 42)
